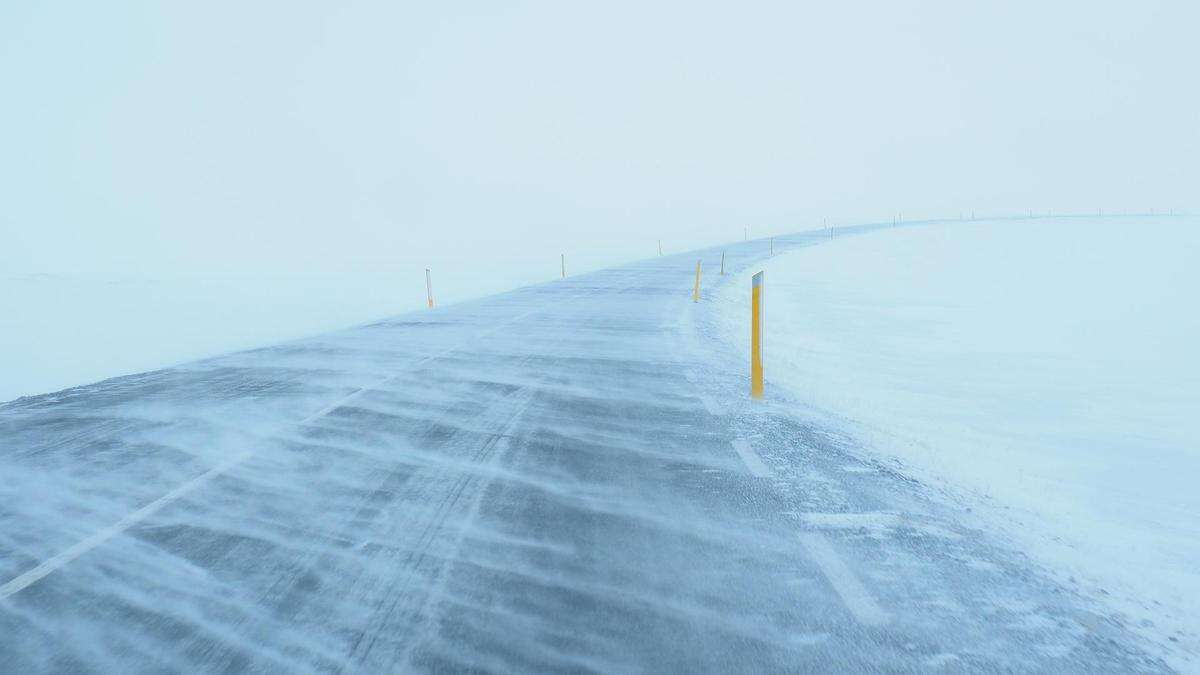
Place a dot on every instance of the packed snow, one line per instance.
(1045, 371)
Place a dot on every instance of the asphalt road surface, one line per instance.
(566, 477)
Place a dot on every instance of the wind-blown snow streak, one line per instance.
(848, 587)
(23, 581)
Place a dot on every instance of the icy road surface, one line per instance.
(564, 477)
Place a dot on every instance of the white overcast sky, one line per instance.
(242, 137)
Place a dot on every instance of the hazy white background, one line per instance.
(355, 143)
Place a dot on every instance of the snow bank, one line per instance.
(1046, 369)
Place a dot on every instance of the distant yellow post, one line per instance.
(429, 287)
(756, 334)
(696, 290)
(563, 260)
(722, 263)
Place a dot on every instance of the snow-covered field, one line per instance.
(60, 331)
(1045, 371)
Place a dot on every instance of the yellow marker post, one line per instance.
(563, 260)
(756, 333)
(429, 287)
(696, 290)
(722, 263)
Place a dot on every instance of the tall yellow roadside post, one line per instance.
(696, 290)
(429, 287)
(756, 333)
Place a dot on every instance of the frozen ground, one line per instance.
(58, 331)
(1045, 371)
(61, 331)
(566, 477)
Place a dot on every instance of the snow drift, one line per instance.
(1044, 369)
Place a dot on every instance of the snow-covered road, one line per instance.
(568, 476)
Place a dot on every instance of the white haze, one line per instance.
(360, 142)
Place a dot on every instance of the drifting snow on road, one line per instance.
(566, 477)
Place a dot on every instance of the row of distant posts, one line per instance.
(756, 312)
